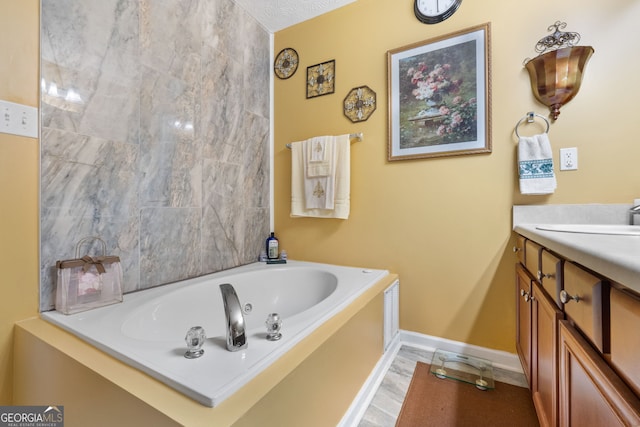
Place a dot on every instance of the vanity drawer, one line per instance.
(551, 275)
(519, 248)
(625, 339)
(585, 298)
(532, 257)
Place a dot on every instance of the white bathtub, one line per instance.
(147, 329)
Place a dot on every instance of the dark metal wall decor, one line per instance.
(286, 63)
(321, 79)
(359, 104)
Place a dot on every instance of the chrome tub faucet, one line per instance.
(236, 334)
(632, 214)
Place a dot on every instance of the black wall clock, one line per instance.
(434, 11)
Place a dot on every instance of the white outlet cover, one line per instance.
(568, 159)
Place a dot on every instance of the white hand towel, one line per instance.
(320, 156)
(340, 178)
(535, 164)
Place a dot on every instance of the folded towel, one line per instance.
(320, 156)
(321, 197)
(535, 164)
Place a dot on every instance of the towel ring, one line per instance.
(529, 118)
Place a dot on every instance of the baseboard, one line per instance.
(500, 359)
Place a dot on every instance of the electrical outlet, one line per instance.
(568, 159)
(18, 119)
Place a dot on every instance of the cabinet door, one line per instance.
(523, 319)
(544, 360)
(591, 394)
(625, 339)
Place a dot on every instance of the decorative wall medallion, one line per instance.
(286, 63)
(359, 104)
(321, 79)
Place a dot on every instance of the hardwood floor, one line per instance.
(387, 401)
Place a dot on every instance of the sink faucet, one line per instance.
(236, 337)
(632, 214)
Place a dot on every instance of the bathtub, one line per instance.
(147, 329)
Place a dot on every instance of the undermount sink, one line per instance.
(614, 229)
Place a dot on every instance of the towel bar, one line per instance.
(529, 118)
(357, 136)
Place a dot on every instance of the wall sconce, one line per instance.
(557, 74)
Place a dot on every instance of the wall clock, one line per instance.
(434, 11)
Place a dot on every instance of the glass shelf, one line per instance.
(460, 367)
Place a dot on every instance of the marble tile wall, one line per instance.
(155, 136)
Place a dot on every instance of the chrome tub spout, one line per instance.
(236, 335)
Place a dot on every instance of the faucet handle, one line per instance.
(273, 324)
(195, 340)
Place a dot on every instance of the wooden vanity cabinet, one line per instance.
(591, 394)
(544, 359)
(576, 338)
(523, 319)
(537, 331)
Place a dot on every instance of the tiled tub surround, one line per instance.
(155, 136)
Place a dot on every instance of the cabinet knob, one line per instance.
(542, 275)
(565, 298)
(527, 297)
(516, 249)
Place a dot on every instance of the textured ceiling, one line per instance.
(276, 15)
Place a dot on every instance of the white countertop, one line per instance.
(612, 256)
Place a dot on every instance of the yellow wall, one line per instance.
(444, 225)
(19, 159)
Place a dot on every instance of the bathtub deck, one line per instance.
(70, 361)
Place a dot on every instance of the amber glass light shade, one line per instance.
(556, 76)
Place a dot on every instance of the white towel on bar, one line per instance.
(320, 156)
(535, 165)
(321, 197)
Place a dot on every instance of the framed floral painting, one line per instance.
(439, 96)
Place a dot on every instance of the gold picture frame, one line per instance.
(440, 96)
(321, 79)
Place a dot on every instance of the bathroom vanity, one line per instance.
(578, 313)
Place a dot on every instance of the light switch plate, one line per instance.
(18, 119)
